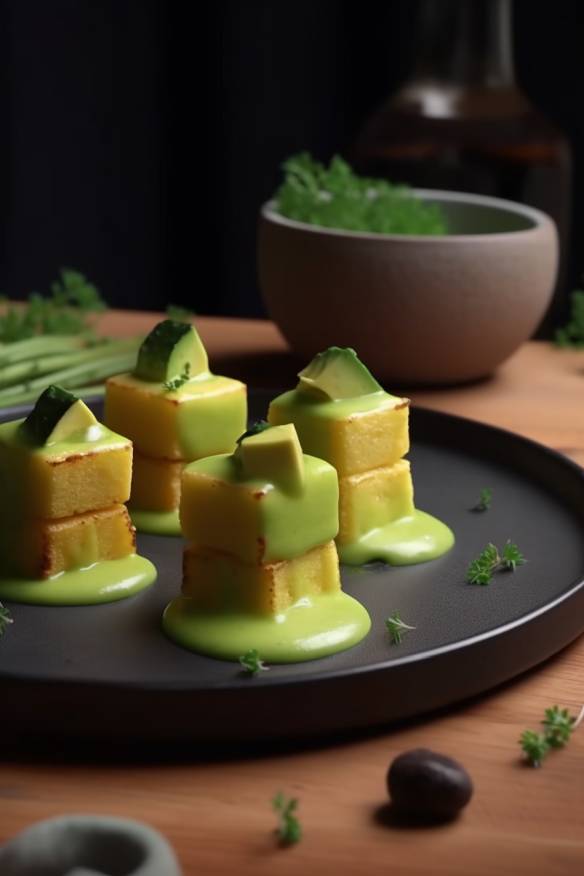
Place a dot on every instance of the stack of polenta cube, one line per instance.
(261, 571)
(260, 525)
(344, 416)
(63, 489)
(174, 411)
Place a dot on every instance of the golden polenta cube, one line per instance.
(217, 581)
(62, 479)
(155, 483)
(373, 499)
(42, 548)
(203, 417)
(254, 519)
(355, 435)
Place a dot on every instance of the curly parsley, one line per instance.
(335, 197)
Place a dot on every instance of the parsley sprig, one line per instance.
(485, 498)
(572, 334)
(396, 628)
(558, 726)
(5, 618)
(252, 663)
(289, 829)
(65, 311)
(335, 197)
(481, 569)
(176, 382)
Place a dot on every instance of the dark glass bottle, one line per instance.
(460, 122)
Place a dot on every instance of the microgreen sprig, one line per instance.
(485, 498)
(396, 628)
(558, 726)
(289, 829)
(535, 746)
(252, 663)
(176, 382)
(5, 618)
(481, 569)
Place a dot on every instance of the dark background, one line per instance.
(139, 137)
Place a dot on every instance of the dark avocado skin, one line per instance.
(157, 348)
(51, 405)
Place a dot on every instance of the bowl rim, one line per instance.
(537, 217)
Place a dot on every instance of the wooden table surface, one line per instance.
(217, 812)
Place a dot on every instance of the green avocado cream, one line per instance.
(313, 627)
(413, 539)
(106, 581)
(156, 522)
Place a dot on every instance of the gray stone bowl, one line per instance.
(417, 309)
(88, 845)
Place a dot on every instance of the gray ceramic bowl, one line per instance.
(417, 309)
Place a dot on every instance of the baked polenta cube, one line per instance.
(343, 415)
(200, 418)
(156, 483)
(265, 503)
(373, 499)
(83, 472)
(218, 581)
(43, 548)
(171, 406)
(353, 435)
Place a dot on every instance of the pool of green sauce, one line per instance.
(414, 539)
(311, 628)
(156, 522)
(106, 581)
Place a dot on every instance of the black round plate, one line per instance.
(108, 671)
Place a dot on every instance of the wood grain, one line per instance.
(217, 812)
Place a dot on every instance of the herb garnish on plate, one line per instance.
(5, 618)
(252, 663)
(396, 628)
(485, 498)
(481, 570)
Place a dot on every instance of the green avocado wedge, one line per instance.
(171, 350)
(56, 417)
(273, 454)
(337, 373)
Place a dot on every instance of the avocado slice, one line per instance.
(276, 455)
(57, 415)
(335, 374)
(171, 350)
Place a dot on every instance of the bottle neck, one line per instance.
(465, 43)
